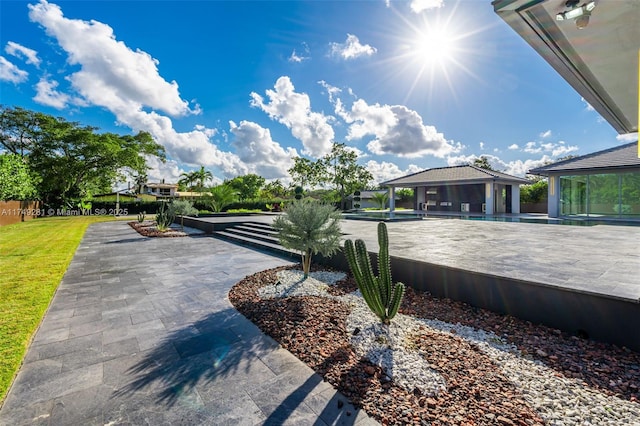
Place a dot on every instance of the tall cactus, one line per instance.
(382, 296)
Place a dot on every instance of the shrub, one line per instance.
(182, 208)
(164, 217)
(310, 227)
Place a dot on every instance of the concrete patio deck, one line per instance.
(141, 331)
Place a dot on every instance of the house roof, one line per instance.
(622, 156)
(453, 175)
(600, 61)
(161, 185)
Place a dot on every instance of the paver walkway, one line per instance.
(141, 332)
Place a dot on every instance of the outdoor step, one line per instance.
(252, 242)
(258, 225)
(250, 233)
(256, 229)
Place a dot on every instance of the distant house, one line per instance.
(122, 197)
(603, 185)
(465, 189)
(366, 199)
(160, 190)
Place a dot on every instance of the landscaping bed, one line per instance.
(149, 229)
(493, 369)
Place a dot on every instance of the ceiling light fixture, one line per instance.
(580, 13)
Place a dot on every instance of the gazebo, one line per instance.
(462, 189)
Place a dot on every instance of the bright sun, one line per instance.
(435, 46)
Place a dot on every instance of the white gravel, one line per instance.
(559, 400)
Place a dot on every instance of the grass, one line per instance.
(34, 256)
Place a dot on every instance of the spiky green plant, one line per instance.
(164, 217)
(382, 296)
(141, 216)
(182, 208)
(310, 227)
(220, 197)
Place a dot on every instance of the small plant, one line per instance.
(182, 208)
(164, 218)
(310, 227)
(141, 216)
(221, 196)
(382, 296)
(270, 207)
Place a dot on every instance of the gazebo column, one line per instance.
(489, 197)
(515, 198)
(392, 198)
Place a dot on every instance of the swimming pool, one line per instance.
(383, 216)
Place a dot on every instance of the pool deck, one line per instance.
(599, 259)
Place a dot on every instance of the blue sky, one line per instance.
(243, 87)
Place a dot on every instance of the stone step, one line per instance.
(249, 232)
(256, 243)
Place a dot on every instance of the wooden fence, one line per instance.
(19, 211)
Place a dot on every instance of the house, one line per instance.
(161, 190)
(466, 188)
(603, 185)
(366, 199)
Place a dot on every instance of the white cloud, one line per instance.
(629, 137)
(294, 111)
(331, 90)
(46, 94)
(206, 130)
(19, 51)
(554, 148)
(384, 171)
(109, 69)
(11, 73)
(262, 155)
(514, 168)
(351, 48)
(482, 145)
(124, 81)
(297, 58)
(418, 6)
(588, 106)
(397, 130)
(513, 146)
(546, 134)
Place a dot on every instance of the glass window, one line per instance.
(604, 194)
(573, 195)
(630, 194)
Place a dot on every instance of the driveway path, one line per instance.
(141, 332)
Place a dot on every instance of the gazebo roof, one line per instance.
(454, 175)
(618, 157)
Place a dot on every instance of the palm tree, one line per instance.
(187, 179)
(221, 196)
(201, 176)
(381, 199)
(310, 227)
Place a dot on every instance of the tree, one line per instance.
(483, 163)
(16, 182)
(343, 172)
(306, 172)
(309, 227)
(73, 161)
(182, 208)
(273, 189)
(247, 186)
(201, 176)
(339, 170)
(381, 199)
(187, 179)
(536, 192)
(221, 196)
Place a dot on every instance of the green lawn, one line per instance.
(33, 258)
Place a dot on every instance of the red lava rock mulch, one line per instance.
(148, 229)
(314, 330)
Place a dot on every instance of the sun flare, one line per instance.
(435, 46)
